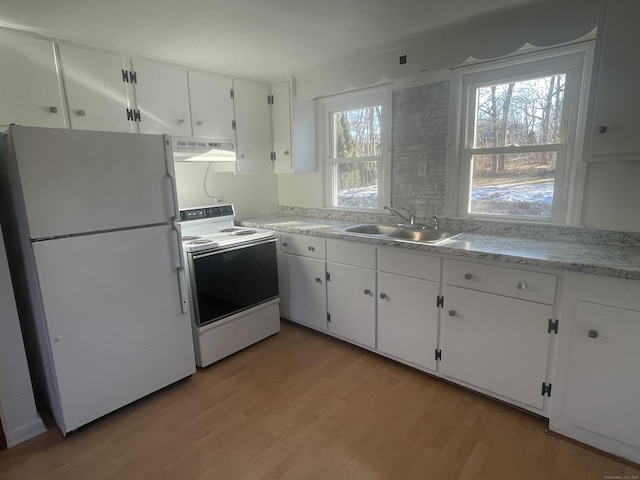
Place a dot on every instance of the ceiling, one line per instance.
(262, 39)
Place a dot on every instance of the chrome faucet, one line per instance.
(412, 216)
(435, 220)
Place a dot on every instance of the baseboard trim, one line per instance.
(25, 432)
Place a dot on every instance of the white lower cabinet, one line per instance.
(408, 290)
(498, 343)
(351, 290)
(597, 381)
(301, 280)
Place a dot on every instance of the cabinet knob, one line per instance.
(181, 121)
(57, 339)
(53, 109)
(383, 296)
(468, 276)
(593, 334)
(286, 152)
(318, 280)
(311, 249)
(284, 244)
(199, 122)
(367, 291)
(602, 129)
(452, 313)
(522, 286)
(82, 113)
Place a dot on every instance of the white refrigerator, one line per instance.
(96, 259)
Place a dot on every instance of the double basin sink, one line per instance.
(406, 233)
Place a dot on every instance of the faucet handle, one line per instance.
(412, 215)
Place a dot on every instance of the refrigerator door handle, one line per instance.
(181, 274)
(168, 155)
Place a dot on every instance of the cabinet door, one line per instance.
(281, 125)
(162, 97)
(303, 297)
(31, 93)
(211, 105)
(615, 96)
(497, 343)
(97, 95)
(253, 126)
(408, 318)
(603, 389)
(351, 303)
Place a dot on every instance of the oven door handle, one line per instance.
(181, 276)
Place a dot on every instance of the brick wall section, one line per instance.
(420, 128)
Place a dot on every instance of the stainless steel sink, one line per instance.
(422, 236)
(401, 233)
(372, 229)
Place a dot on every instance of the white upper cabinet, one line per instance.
(294, 134)
(162, 96)
(97, 93)
(211, 105)
(613, 122)
(253, 126)
(31, 93)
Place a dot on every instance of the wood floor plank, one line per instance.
(301, 405)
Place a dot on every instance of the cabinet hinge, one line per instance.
(546, 389)
(438, 354)
(129, 76)
(328, 277)
(133, 115)
(328, 317)
(270, 99)
(553, 325)
(273, 156)
(233, 124)
(232, 94)
(440, 301)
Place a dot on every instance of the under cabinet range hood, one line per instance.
(189, 149)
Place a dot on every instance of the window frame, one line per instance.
(381, 95)
(576, 61)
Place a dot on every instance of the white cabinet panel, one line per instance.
(31, 93)
(211, 105)
(497, 343)
(253, 126)
(162, 96)
(281, 124)
(97, 96)
(303, 295)
(408, 318)
(351, 303)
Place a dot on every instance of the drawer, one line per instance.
(511, 282)
(409, 264)
(351, 254)
(306, 246)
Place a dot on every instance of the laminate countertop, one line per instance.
(622, 261)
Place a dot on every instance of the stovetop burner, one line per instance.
(244, 232)
(189, 237)
(198, 241)
(229, 230)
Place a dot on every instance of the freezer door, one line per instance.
(76, 181)
(114, 319)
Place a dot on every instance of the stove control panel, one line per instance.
(214, 211)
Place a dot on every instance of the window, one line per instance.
(357, 151)
(519, 138)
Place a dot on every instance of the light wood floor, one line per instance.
(299, 406)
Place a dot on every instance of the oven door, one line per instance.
(232, 279)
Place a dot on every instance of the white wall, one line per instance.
(611, 198)
(20, 419)
(301, 189)
(252, 194)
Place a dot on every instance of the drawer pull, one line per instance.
(452, 313)
(522, 286)
(593, 334)
(468, 276)
(53, 109)
(383, 296)
(367, 291)
(311, 249)
(284, 244)
(318, 280)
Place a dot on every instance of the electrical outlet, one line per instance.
(422, 169)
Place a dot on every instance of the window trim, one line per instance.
(569, 181)
(379, 95)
